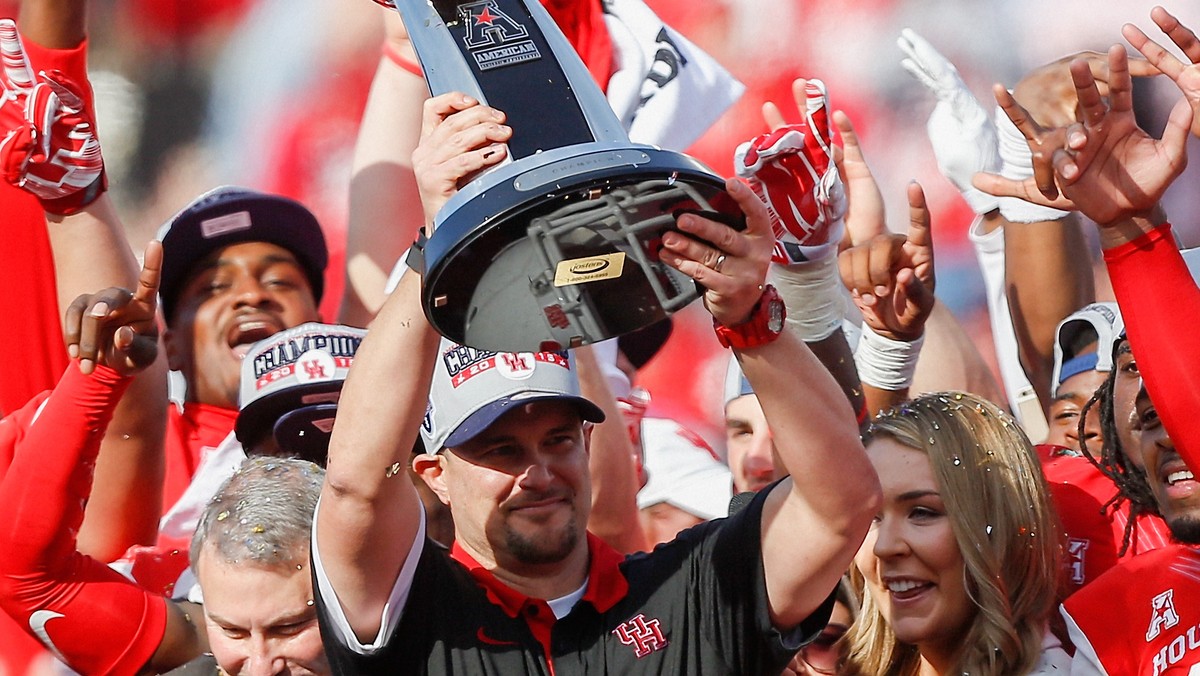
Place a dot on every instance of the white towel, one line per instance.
(667, 92)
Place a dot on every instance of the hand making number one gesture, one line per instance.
(117, 327)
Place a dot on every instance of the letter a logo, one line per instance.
(1163, 615)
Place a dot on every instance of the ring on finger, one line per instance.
(719, 263)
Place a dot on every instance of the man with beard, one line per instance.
(524, 588)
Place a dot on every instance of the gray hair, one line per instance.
(262, 514)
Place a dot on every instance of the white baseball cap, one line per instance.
(683, 471)
(472, 388)
(291, 382)
(1102, 320)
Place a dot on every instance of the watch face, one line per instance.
(775, 316)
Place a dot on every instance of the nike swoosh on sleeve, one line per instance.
(37, 622)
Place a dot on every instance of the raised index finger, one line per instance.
(18, 75)
(919, 232)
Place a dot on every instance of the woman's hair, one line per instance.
(1007, 531)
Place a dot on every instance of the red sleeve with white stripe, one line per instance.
(1159, 303)
(89, 615)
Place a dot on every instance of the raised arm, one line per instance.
(369, 515)
(814, 521)
(952, 361)
(611, 463)
(794, 170)
(1116, 174)
(382, 180)
(1049, 274)
(891, 279)
(93, 618)
(51, 151)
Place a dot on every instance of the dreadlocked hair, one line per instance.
(1130, 480)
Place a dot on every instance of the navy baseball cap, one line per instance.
(473, 388)
(231, 215)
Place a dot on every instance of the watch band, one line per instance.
(416, 253)
(764, 325)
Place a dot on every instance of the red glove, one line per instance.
(792, 171)
(49, 145)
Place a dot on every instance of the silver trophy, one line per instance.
(558, 246)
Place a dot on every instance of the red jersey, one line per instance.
(1095, 533)
(192, 432)
(82, 610)
(1141, 618)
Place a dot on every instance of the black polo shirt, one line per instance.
(696, 605)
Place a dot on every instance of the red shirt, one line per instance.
(31, 293)
(1142, 617)
(1095, 533)
(191, 433)
(1159, 303)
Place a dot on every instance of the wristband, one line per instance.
(812, 292)
(884, 363)
(392, 54)
(1016, 163)
(76, 202)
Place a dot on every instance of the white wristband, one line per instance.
(1016, 163)
(812, 293)
(884, 363)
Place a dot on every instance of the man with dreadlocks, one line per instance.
(1102, 524)
(1116, 174)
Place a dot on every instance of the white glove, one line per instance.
(963, 138)
(1017, 164)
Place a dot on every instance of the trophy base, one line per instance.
(566, 253)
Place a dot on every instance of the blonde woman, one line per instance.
(959, 570)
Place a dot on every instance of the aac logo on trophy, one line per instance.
(556, 247)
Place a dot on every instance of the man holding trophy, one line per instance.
(524, 589)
